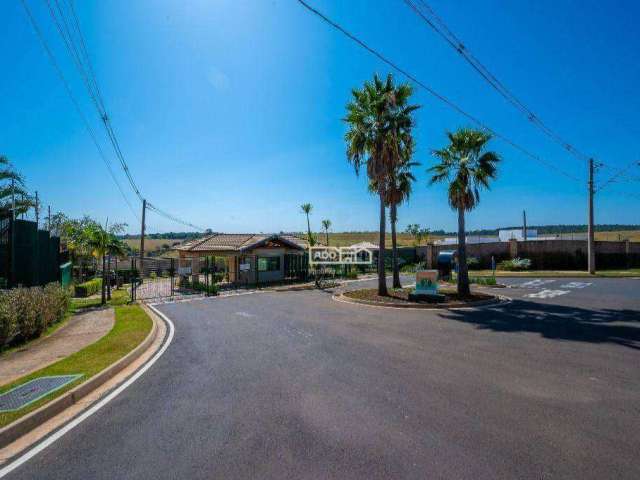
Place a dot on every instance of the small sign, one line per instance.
(245, 267)
(184, 271)
(427, 282)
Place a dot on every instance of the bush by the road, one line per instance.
(27, 312)
(515, 265)
(88, 288)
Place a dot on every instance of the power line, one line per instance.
(173, 218)
(618, 175)
(443, 30)
(78, 52)
(430, 90)
(90, 82)
(87, 126)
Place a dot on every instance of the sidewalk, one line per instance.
(79, 331)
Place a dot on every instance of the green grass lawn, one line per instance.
(131, 327)
(118, 297)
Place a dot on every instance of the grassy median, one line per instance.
(131, 327)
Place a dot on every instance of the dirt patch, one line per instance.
(400, 298)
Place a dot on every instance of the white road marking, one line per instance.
(29, 454)
(547, 293)
(245, 314)
(535, 283)
(576, 285)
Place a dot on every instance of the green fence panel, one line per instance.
(66, 274)
(25, 253)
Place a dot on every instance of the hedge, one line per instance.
(27, 312)
(88, 288)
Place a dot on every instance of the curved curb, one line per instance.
(25, 424)
(497, 300)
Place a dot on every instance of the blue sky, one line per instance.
(228, 111)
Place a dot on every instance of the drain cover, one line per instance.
(29, 392)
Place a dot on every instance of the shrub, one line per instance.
(351, 275)
(473, 263)
(88, 288)
(515, 265)
(483, 280)
(26, 313)
(8, 317)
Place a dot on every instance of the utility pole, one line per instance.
(49, 218)
(37, 209)
(591, 251)
(524, 225)
(144, 211)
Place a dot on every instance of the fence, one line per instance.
(28, 256)
(545, 254)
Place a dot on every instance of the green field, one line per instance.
(341, 239)
(152, 244)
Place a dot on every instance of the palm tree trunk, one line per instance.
(109, 279)
(394, 246)
(326, 236)
(463, 271)
(309, 231)
(103, 298)
(382, 279)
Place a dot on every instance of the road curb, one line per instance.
(497, 300)
(32, 420)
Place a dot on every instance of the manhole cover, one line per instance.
(29, 392)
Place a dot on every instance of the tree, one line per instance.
(417, 233)
(326, 225)
(380, 122)
(467, 168)
(399, 191)
(13, 191)
(102, 242)
(306, 209)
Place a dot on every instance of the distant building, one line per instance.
(517, 234)
(471, 239)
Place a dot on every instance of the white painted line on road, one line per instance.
(534, 283)
(547, 293)
(576, 285)
(25, 457)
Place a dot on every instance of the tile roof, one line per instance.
(235, 242)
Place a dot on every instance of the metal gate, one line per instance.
(156, 278)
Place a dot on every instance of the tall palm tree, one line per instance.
(306, 209)
(326, 225)
(380, 122)
(399, 191)
(102, 242)
(13, 192)
(467, 167)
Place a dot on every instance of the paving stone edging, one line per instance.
(496, 300)
(23, 425)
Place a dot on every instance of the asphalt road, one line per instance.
(296, 385)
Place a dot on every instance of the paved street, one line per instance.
(297, 385)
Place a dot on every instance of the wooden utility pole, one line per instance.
(144, 211)
(524, 225)
(591, 250)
